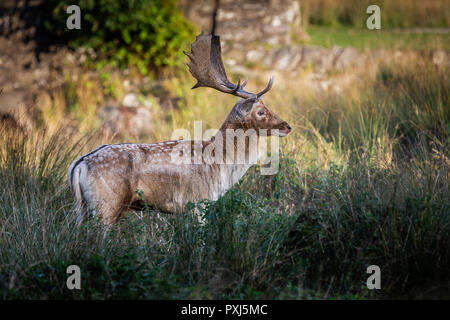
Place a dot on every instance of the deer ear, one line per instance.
(246, 105)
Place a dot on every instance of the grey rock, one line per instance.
(347, 56)
(17, 105)
(312, 55)
(255, 55)
(130, 100)
(440, 58)
(126, 121)
(287, 58)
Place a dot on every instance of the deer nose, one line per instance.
(286, 126)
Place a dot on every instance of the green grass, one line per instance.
(377, 39)
(393, 13)
(363, 180)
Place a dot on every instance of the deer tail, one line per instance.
(77, 169)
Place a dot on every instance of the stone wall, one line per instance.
(239, 23)
(260, 32)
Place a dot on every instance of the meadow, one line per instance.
(402, 14)
(363, 180)
(405, 24)
(390, 39)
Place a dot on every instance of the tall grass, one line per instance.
(394, 13)
(363, 180)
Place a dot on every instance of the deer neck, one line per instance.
(237, 141)
(234, 166)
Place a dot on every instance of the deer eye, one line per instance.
(261, 113)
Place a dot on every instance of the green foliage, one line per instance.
(144, 34)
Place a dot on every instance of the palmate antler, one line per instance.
(207, 67)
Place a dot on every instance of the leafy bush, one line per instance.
(137, 33)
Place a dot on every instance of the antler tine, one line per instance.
(207, 67)
(238, 91)
(238, 87)
(245, 83)
(267, 88)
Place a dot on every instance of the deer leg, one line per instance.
(113, 210)
(110, 207)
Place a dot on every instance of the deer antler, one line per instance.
(207, 67)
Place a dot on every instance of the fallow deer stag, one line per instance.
(104, 181)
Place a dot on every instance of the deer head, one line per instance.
(249, 112)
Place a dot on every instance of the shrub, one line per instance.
(145, 34)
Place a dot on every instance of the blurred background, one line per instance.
(129, 53)
(363, 177)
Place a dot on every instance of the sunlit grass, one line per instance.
(378, 39)
(363, 180)
(394, 13)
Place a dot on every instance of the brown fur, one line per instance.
(105, 181)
